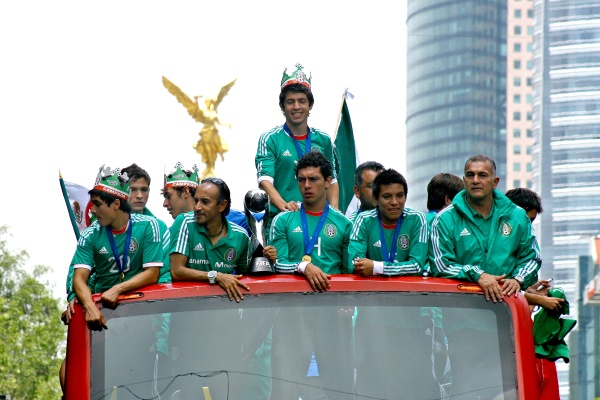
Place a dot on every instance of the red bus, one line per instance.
(365, 338)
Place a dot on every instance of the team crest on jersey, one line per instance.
(330, 231)
(505, 229)
(133, 246)
(230, 254)
(403, 242)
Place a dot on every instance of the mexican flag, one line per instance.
(78, 204)
(346, 159)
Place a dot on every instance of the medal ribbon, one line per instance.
(309, 245)
(392, 254)
(307, 142)
(113, 246)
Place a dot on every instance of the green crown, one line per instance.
(179, 177)
(297, 77)
(113, 182)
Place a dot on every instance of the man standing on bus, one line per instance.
(483, 237)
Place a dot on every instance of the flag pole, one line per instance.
(68, 203)
(337, 125)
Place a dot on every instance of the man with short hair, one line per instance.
(125, 249)
(528, 200)
(312, 242)
(208, 248)
(139, 189)
(280, 148)
(364, 175)
(179, 190)
(441, 190)
(390, 239)
(483, 237)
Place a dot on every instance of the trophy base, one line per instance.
(260, 266)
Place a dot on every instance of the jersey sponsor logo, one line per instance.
(197, 261)
(286, 153)
(199, 247)
(103, 251)
(297, 230)
(221, 264)
(330, 231)
(133, 246)
(465, 232)
(505, 229)
(377, 243)
(230, 254)
(403, 242)
(315, 148)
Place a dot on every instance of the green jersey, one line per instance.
(231, 252)
(277, 156)
(330, 251)
(411, 244)
(94, 251)
(464, 245)
(165, 271)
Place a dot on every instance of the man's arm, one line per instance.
(442, 255)
(278, 238)
(230, 283)
(357, 249)
(276, 198)
(529, 259)
(148, 276)
(93, 316)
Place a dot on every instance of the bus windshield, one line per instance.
(334, 345)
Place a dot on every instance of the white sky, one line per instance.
(82, 87)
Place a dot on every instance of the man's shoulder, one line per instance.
(366, 217)
(238, 231)
(318, 132)
(271, 133)
(284, 216)
(413, 214)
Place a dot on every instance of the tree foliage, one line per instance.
(33, 337)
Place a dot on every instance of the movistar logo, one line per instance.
(465, 232)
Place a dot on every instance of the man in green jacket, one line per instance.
(483, 237)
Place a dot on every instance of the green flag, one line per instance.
(346, 157)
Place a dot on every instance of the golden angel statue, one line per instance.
(210, 144)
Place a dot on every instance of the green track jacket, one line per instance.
(457, 249)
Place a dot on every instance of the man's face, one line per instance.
(312, 185)
(175, 202)
(105, 214)
(364, 192)
(479, 180)
(296, 108)
(139, 191)
(532, 214)
(391, 201)
(208, 208)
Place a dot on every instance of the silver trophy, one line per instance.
(256, 201)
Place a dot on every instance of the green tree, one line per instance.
(32, 334)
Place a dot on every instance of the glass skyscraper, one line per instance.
(567, 128)
(456, 88)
